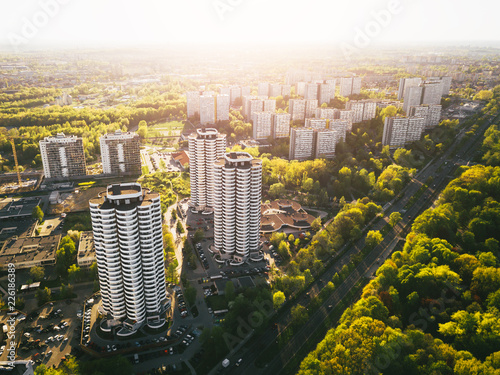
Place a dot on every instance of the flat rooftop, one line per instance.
(118, 189)
(19, 207)
(86, 245)
(40, 249)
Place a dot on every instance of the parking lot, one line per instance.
(48, 335)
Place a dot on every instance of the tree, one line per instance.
(291, 238)
(65, 256)
(43, 296)
(307, 185)
(277, 190)
(180, 228)
(316, 224)
(190, 293)
(299, 315)
(394, 218)
(37, 273)
(230, 291)
(278, 299)
(74, 273)
(142, 129)
(37, 214)
(284, 249)
(173, 214)
(373, 238)
(198, 235)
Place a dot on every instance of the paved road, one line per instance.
(441, 170)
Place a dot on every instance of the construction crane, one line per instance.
(15, 162)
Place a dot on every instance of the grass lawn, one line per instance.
(166, 128)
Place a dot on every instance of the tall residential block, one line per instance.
(345, 114)
(350, 85)
(63, 156)
(193, 103)
(286, 90)
(399, 131)
(274, 90)
(301, 144)
(328, 113)
(235, 93)
(281, 125)
(237, 209)
(126, 224)
(120, 153)
(431, 114)
(206, 146)
(316, 123)
(405, 84)
(339, 127)
(207, 109)
(413, 97)
(311, 106)
(224, 90)
(300, 88)
(311, 91)
(326, 92)
(269, 105)
(262, 125)
(432, 92)
(263, 89)
(325, 142)
(223, 102)
(297, 108)
(363, 110)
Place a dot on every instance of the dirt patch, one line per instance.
(72, 202)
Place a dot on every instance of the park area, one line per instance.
(167, 129)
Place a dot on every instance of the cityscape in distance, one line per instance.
(249, 187)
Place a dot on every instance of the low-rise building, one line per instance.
(86, 250)
(27, 252)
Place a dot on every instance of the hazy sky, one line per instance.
(30, 23)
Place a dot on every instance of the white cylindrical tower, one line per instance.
(126, 222)
(237, 195)
(206, 146)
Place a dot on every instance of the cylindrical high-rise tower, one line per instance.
(126, 223)
(237, 200)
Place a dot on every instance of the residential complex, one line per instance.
(193, 103)
(307, 143)
(262, 125)
(223, 102)
(62, 156)
(210, 107)
(207, 109)
(301, 143)
(297, 109)
(328, 113)
(431, 114)
(126, 225)
(325, 144)
(281, 125)
(405, 84)
(363, 110)
(348, 115)
(120, 153)
(316, 123)
(399, 131)
(350, 85)
(206, 146)
(237, 208)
